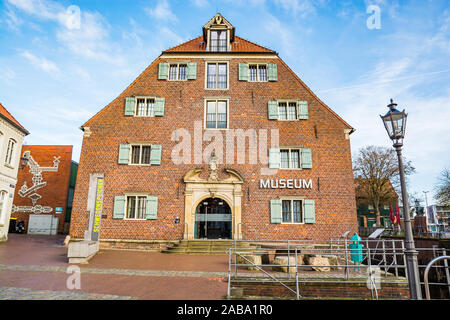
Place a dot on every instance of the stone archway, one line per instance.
(197, 189)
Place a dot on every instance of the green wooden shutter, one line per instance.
(274, 158)
(192, 70)
(124, 154)
(159, 107)
(310, 211)
(130, 106)
(243, 72)
(306, 158)
(152, 208)
(119, 207)
(163, 72)
(155, 155)
(272, 72)
(302, 111)
(275, 211)
(272, 110)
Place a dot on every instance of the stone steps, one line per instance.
(203, 247)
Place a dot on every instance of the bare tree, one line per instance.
(442, 188)
(375, 170)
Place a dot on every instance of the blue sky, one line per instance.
(54, 77)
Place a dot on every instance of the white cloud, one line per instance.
(83, 33)
(297, 7)
(162, 11)
(41, 63)
(12, 20)
(200, 3)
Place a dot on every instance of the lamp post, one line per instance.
(23, 161)
(395, 123)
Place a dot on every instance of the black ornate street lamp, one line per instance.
(23, 162)
(395, 124)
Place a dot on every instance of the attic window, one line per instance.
(218, 40)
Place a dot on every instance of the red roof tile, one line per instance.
(239, 45)
(9, 116)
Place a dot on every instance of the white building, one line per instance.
(12, 134)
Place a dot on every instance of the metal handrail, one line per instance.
(427, 269)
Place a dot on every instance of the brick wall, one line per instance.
(321, 290)
(54, 193)
(335, 201)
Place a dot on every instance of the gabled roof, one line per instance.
(239, 45)
(8, 117)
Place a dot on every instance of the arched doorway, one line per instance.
(213, 219)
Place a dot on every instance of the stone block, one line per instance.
(284, 261)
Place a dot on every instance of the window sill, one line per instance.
(9, 166)
(292, 223)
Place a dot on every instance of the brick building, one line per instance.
(366, 210)
(184, 151)
(43, 197)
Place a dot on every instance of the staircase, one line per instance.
(204, 247)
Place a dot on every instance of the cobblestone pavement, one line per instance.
(34, 267)
(11, 293)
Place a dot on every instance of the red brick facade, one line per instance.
(324, 133)
(54, 194)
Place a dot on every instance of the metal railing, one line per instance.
(427, 270)
(337, 251)
(382, 260)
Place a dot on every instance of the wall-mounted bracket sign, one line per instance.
(285, 184)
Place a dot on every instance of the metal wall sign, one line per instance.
(97, 210)
(285, 184)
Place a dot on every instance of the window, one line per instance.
(292, 211)
(136, 207)
(290, 158)
(218, 40)
(145, 107)
(217, 76)
(287, 111)
(140, 154)
(10, 152)
(216, 114)
(257, 73)
(177, 72)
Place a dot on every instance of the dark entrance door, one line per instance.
(213, 219)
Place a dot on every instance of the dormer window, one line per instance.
(218, 40)
(218, 34)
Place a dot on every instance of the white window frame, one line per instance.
(136, 106)
(10, 152)
(217, 74)
(228, 46)
(136, 195)
(140, 145)
(290, 158)
(257, 73)
(302, 205)
(287, 109)
(4, 203)
(178, 71)
(227, 100)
